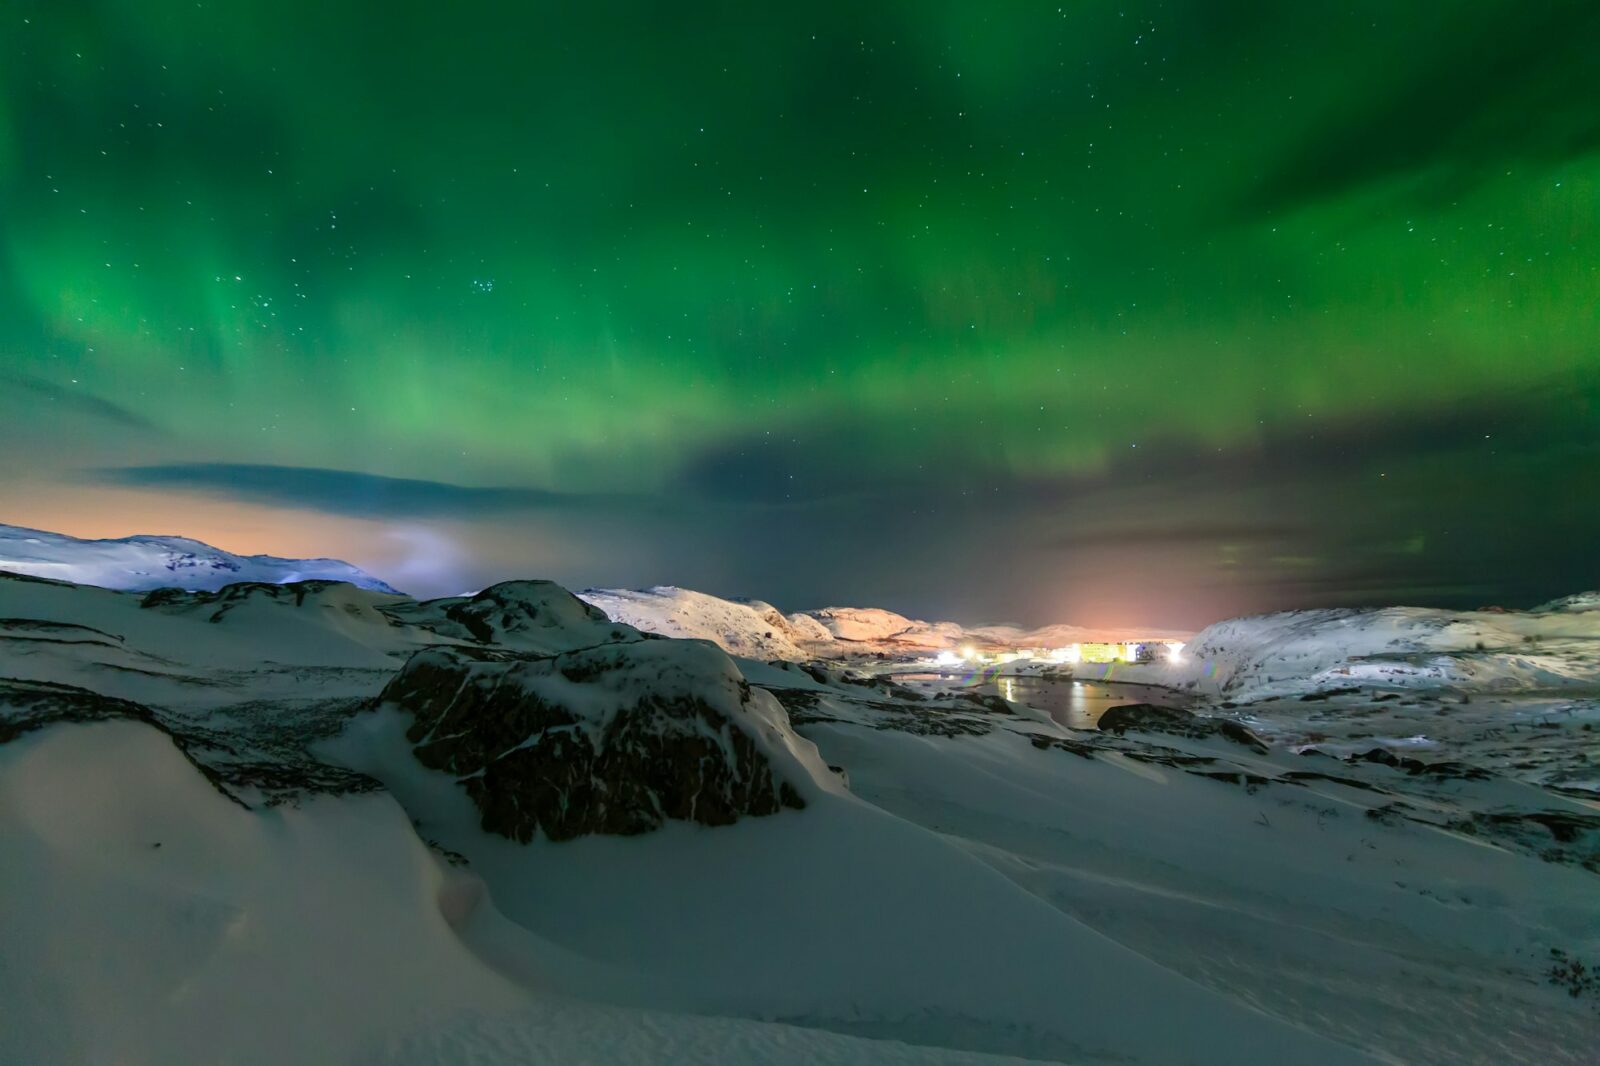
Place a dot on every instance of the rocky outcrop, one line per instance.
(235, 763)
(615, 739)
(539, 617)
(1150, 718)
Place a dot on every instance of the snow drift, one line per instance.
(248, 825)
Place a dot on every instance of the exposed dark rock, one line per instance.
(1567, 838)
(237, 765)
(31, 705)
(923, 717)
(800, 703)
(1563, 826)
(1234, 777)
(1387, 814)
(61, 632)
(881, 686)
(1077, 747)
(1151, 718)
(1178, 760)
(521, 617)
(11, 575)
(992, 704)
(1299, 776)
(518, 606)
(1415, 767)
(293, 593)
(648, 735)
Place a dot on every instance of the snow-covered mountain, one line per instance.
(1555, 647)
(750, 628)
(758, 630)
(141, 563)
(506, 828)
(877, 627)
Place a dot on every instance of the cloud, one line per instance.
(348, 492)
(74, 400)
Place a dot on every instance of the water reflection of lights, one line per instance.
(1008, 689)
(1133, 651)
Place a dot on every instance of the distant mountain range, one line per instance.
(142, 563)
(751, 628)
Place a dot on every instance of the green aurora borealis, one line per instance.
(1121, 311)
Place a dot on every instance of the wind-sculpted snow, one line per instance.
(141, 563)
(220, 844)
(614, 739)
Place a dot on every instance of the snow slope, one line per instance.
(756, 630)
(144, 562)
(1554, 648)
(221, 845)
(150, 921)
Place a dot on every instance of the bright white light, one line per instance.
(948, 658)
(1174, 653)
(968, 652)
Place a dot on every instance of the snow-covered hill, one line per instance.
(758, 630)
(317, 823)
(143, 562)
(752, 629)
(749, 628)
(1555, 647)
(887, 630)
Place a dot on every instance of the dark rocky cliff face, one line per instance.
(615, 739)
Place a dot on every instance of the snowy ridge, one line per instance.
(758, 630)
(1556, 647)
(753, 629)
(141, 563)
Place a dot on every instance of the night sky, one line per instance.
(1095, 312)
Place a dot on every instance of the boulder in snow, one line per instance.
(613, 739)
(1151, 718)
